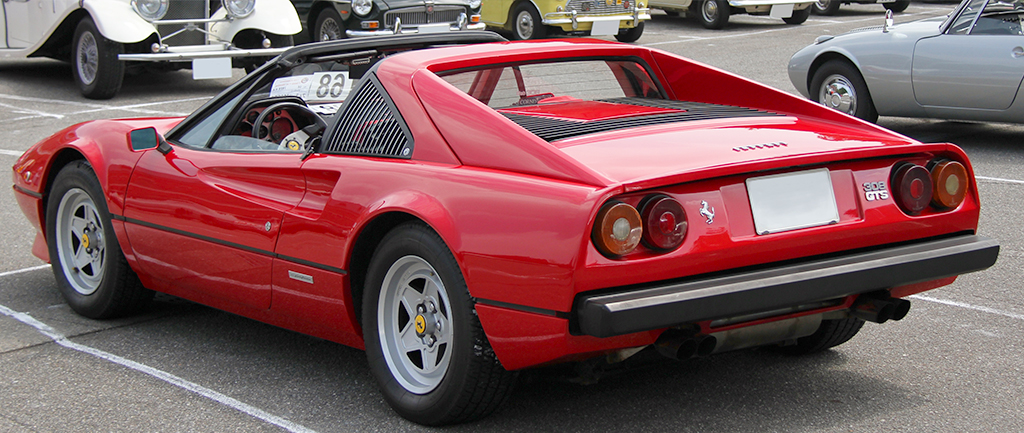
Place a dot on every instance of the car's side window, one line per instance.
(202, 133)
(1000, 18)
(962, 25)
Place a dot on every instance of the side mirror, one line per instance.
(147, 138)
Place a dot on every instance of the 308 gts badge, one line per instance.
(875, 191)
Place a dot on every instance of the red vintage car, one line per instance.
(466, 211)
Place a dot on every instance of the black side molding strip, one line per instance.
(28, 192)
(230, 244)
(610, 314)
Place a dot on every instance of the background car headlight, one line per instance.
(150, 10)
(239, 8)
(474, 4)
(362, 7)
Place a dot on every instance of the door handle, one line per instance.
(1018, 52)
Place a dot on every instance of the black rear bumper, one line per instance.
(635, 310)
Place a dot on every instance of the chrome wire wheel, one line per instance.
(80, 243)
(330, 30)
(87, 57)
(414, 324)
(709, 11)
(822, 4)
(525, 25)
(838, 93)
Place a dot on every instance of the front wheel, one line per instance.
(798, 17)
(91, 271)
(526, 23)
(897, 6)
(329, 26)
(826, 7)
(714, 14)
(424, 342)
(838, 85)
(630, 35)
(95, 66)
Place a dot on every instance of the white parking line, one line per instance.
(142, 368)
(999, 180)
(11, 152)
(969, 306)
(89, 107)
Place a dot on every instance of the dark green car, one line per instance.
(324, 20)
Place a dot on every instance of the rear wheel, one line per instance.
(91, 271)
(798, 16)
(424, 343)
(714, 14)
(95, 66)
(526, 23)
(830, 333)
(838, 85)
(631, 34)
(897, 6)
(826, 7)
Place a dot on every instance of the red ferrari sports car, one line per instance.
(464, 211)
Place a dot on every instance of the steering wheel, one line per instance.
(287, 104)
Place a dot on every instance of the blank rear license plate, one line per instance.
(792, 201)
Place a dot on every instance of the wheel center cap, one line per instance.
(421, 324)
(85, 240)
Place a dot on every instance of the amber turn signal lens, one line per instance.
(912, 186)
(950, 180)
(617, 230)
(664, 223)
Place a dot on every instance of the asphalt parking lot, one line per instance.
(954, 364)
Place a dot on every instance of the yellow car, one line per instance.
(535, 19)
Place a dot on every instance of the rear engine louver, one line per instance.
(368, 125)
(556, 129)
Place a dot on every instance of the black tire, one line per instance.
(91, 271)
(329, 26)
(714, 14)
(798, 17)
(826, 7)
(897, 6)
(413, 269)
(526, 23)
(94, 63)
(830, 333)
(837, 84)
(630, 35)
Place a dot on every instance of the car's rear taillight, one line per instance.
(664, 222)
(617, 230)
(912, 188)
(950, 180)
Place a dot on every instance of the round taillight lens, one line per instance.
(664, 223)
(950, 180)
(912, 186)
(618, 229)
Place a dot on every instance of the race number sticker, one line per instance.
(329, 86)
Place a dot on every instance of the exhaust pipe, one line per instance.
(679, 345)
(879, 310)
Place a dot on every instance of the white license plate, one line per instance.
(781, 11)
(605, 28)
(205, 69)
(792, 201)
(434, 28)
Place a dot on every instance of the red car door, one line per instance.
(206, 221)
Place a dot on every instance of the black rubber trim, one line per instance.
(28, 192)
(231, 244)
(610, 314)
(534, 310)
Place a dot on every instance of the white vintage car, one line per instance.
(714, 14)
(102, 38)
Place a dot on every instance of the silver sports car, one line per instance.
(966, 66)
